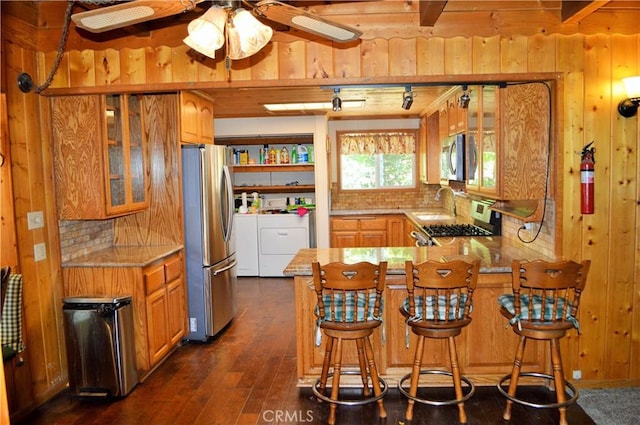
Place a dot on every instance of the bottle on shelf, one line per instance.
(294, 155)
(302, 154)
(284, 155)
(272, 155)
(263, 151)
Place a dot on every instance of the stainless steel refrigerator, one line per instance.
(209, 242)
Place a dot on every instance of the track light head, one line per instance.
(336, 102)
(407, 98)
(465, 98)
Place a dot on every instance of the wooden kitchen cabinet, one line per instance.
(100, 156)
(196, 118)
(430, 148)
(158, 298)
(456, 115)
(166, 308)
(507, 143)
(358, 231)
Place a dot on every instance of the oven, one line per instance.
(486, 222)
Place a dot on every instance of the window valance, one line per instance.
(378, 143)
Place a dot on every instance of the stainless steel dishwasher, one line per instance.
(101, 353)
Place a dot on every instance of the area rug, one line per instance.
(612, 406)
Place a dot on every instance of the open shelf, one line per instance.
(275, 189)
(266, 168)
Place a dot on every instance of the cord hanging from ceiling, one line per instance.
(25, 83)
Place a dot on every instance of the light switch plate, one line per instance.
(35, 220)
(39, 251)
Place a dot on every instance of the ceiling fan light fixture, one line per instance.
(246, 35)
(206, 33)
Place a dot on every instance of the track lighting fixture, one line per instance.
(629, 107)
(407, 98)
(465, 98)
(336, 102)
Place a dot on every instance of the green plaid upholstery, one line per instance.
(11, 323)
(428, 313)
(347, 310)
(350, 306)
(507, 301)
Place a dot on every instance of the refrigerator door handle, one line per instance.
(224, 269)
(227, 203)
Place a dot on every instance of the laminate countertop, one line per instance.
(123, 256)
(495, 255)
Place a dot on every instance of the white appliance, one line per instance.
(280, 237)
(246, 231)
(209, 241)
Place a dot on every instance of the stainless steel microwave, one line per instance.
(452, 158)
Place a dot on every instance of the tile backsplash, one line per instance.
(424, 197)
(80, 237)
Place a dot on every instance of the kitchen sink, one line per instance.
(425, 217)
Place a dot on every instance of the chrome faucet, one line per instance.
(453, 198)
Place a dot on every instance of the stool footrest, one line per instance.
(373, 398)
(566, 403)
(470, 385)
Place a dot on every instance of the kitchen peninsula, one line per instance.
(486, 346)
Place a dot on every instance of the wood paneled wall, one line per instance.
(589, 69)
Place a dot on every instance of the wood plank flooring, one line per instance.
(247, 376)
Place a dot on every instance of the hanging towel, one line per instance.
(11, 324)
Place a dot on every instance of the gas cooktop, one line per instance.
(451, 230)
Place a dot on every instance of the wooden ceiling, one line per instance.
(376, 19)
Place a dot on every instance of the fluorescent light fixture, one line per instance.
(313, 106)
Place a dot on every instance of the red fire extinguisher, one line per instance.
(586, 179)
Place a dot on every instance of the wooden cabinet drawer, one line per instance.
(344, 224)
(173, 268)
(153, 278)
(373, 223)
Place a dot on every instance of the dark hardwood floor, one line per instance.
(247, 375)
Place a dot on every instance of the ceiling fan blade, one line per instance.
(129, 13)
(294, 17)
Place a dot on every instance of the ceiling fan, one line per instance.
(226, 22)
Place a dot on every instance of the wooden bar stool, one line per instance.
(349, 307)
(438, 306)
(543, 306)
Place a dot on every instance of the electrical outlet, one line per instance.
(577, 374)
(528, 226)
(39, 251)
(193, 324)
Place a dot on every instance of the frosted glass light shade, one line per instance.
(246, 35)
(206, 33)
(632, 86)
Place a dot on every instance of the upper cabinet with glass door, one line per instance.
(100, 156)
(507, 141)
(482, 142)
(125, 151)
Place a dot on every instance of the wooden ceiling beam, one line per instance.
(430, 12)
(574, 11)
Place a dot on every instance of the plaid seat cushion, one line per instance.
(507, 301)
(426, 311)
(11, 322)
(352, 309)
